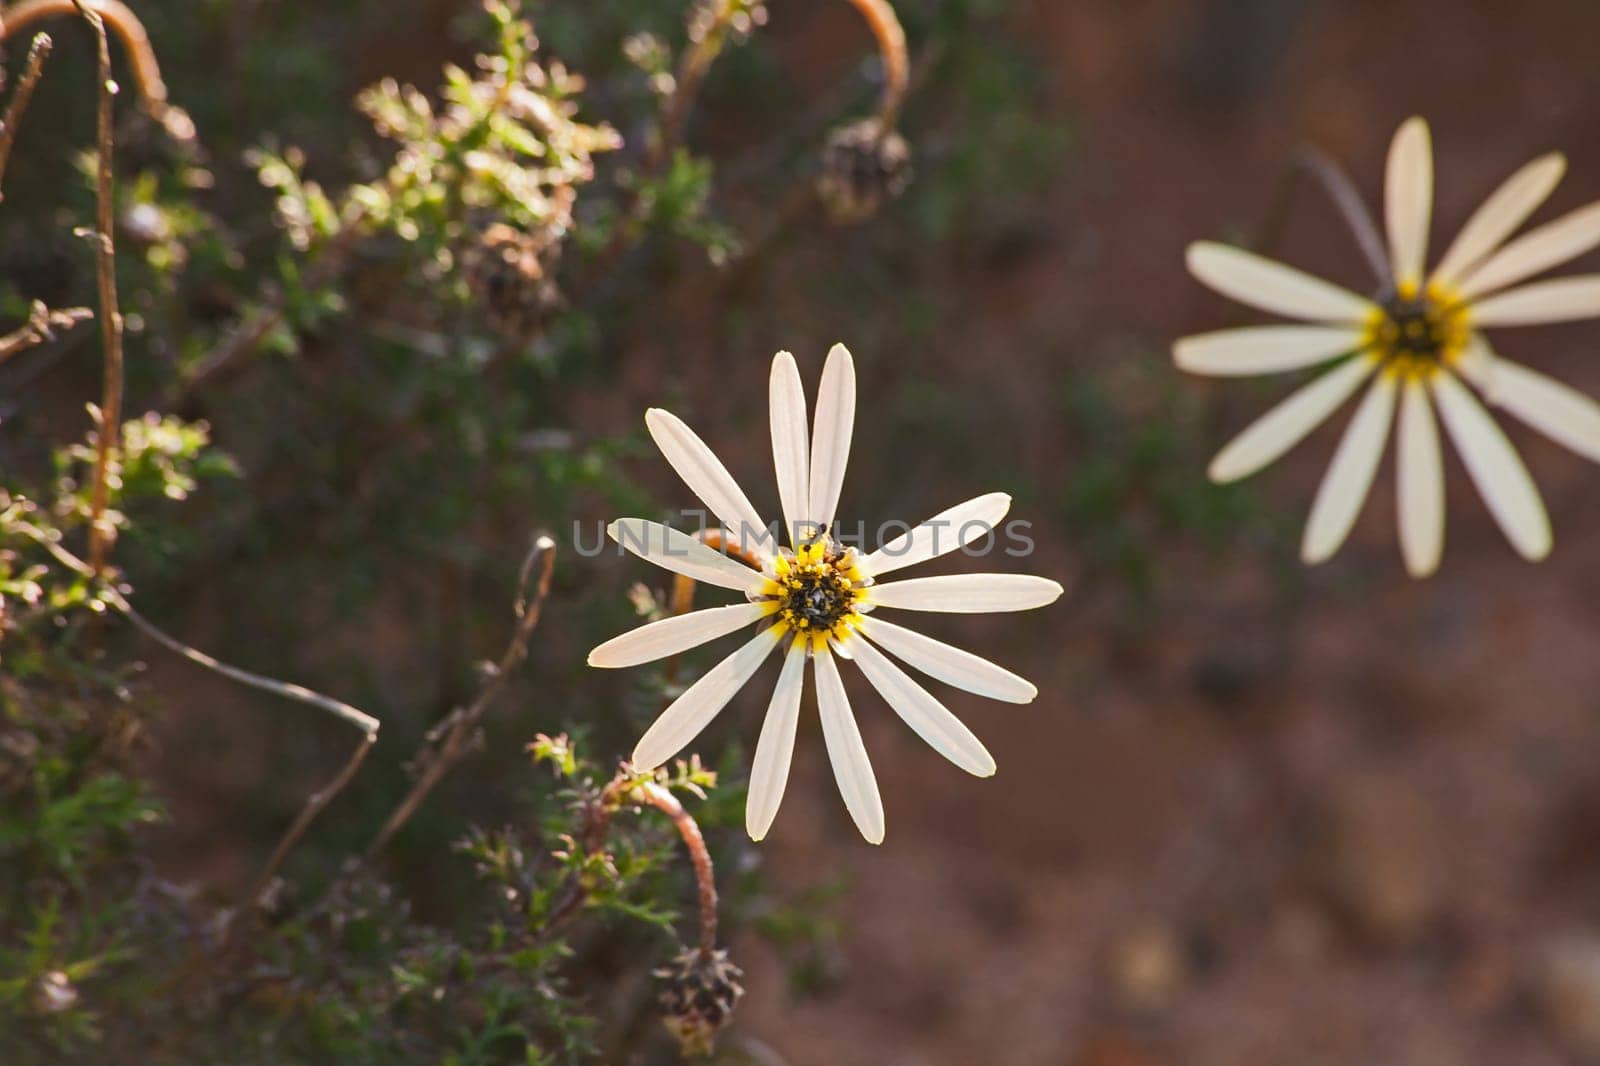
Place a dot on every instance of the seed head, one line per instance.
(508, 271)
(698, 993)
(863, 167)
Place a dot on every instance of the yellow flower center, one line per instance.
(1416, 333)
(816, 592)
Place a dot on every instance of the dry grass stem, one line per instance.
(449, 741)
(32, 68)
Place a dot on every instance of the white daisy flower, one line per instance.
(817, 601)
(1420, 343)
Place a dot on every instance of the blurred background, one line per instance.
(1258, 813)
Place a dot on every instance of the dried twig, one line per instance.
(130, 31)
(360, 719)
(249, 334)
(42, 325)
(699, 857)
(38, 52)
(315, 804)
(100, 533)
(319, 800)
(891, 38)
(452, 738)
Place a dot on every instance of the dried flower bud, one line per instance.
(698, 993)
(863, 167)
(508, 271)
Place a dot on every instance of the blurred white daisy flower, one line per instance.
(817, 601)
(1420, 342)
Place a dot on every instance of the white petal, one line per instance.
(1349, 478)
(1408, 200)
(1270, 286)
(944, 532)
(967, 593)
(1505, 209)
(1537, 250)
(1287, 424)
(770, 771)
(692, 711)
(1501, 478)
(708, 479)
(1561, 300)
(1263, 349)
(928, 718)
(1419, 482)
(682, 554)
(949, 664)
(790, 449)
(851, 767)
(830, 435)
(669, 636)
(1559, 411)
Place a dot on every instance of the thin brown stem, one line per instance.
(452, 738)
(699, 857)
(299, 693)
(42, 326)
(315, 804)
(248, 335)
(319, 800)
(38, 52)
(891, 39)
(110, 415)
(135, 42)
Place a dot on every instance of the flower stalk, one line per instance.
(101, 533)
(135, 42)
(891, 39)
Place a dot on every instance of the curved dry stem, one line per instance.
(318, 801)
(314, 805)
(451, 739)
(114, 597)
(110, 415)
(135, 41)
(891, 38)
(42, 325)
(38, 52)
(699, 857)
